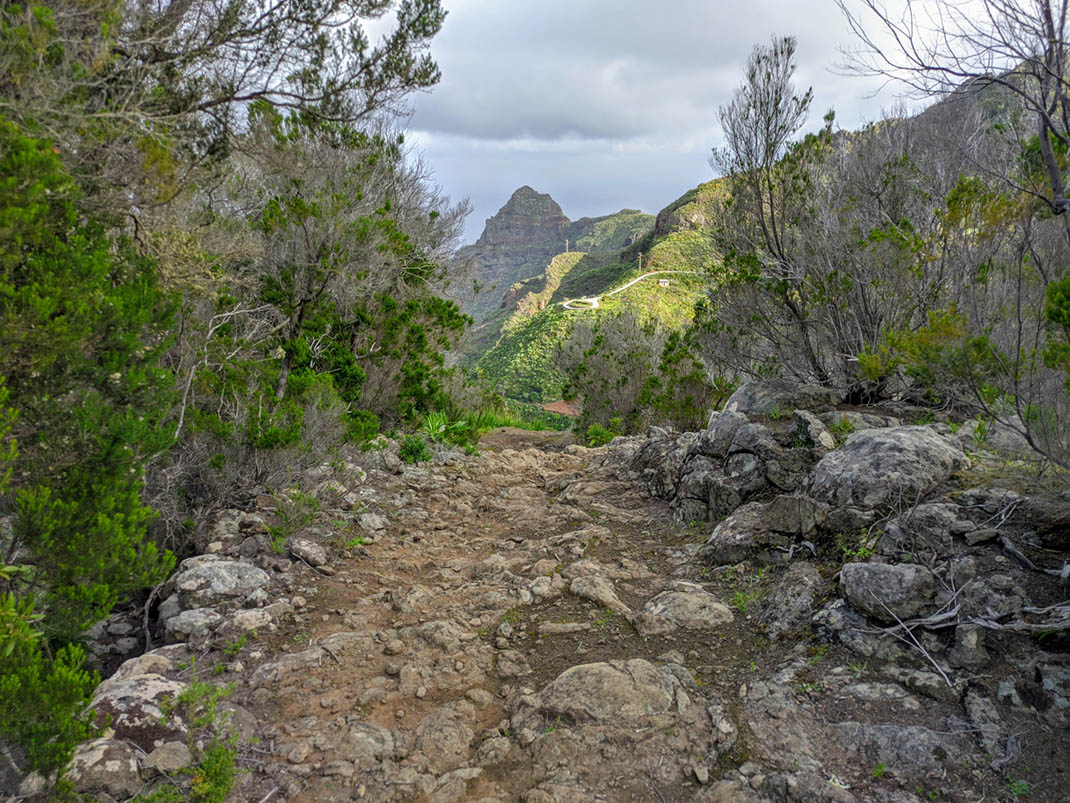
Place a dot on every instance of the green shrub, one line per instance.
(42, 699)
(414, 449)
(361, 426)
(597, 435)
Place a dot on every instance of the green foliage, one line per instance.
(597, 435)
(922, 354)
(1057, 316)
(436, 426)
(841, 427)
(1017, 787)
(414, 449)
(681, 392)
(361, 426)
(746, 590)
(214, 770)
(857, 547)
(42, 696)
(522, 366)
(530, 416)
(82, 329)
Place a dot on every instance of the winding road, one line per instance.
(594, 302)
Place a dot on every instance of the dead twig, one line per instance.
(911, 640)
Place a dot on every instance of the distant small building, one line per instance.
(663, 282)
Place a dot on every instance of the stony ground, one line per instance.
(497, 642)
(533, 623)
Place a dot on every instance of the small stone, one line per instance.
(251, 619)
(481, 697)
(981, 536)
(299, 602)
(299, 753)
(702, 775)
(391, 669)
(394, 647)
(421, 692)
(168, 758)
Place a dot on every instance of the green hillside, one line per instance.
(514, 350)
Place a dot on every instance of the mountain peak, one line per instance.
(527, 216)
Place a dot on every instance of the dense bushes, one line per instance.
(639, 373)
(84, 406)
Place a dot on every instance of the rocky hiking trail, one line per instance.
(664, 618)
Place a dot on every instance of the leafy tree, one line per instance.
(137, 95)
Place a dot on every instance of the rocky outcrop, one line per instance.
(878, 467)
(887, 592)
(779, 398)
(709, 474)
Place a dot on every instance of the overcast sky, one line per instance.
(608, 104)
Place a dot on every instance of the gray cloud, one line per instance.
(607, 103)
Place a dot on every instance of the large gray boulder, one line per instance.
(880, 467)
(885, 591)
(689, 606)
(778, 396)
(205, 581)
(755, 529)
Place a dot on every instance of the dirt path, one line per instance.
(407, 663)
(594, 302)
(532, 626)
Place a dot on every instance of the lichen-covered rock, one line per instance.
(135, 706)
(777, 396)
(309, 551)
(879, 467)
(105, 766)
(887, 591)
(207, 580)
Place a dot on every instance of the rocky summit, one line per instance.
(726, 615)
(521, 239)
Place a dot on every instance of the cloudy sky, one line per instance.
(607, 104)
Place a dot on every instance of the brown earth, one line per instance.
(414, 669)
